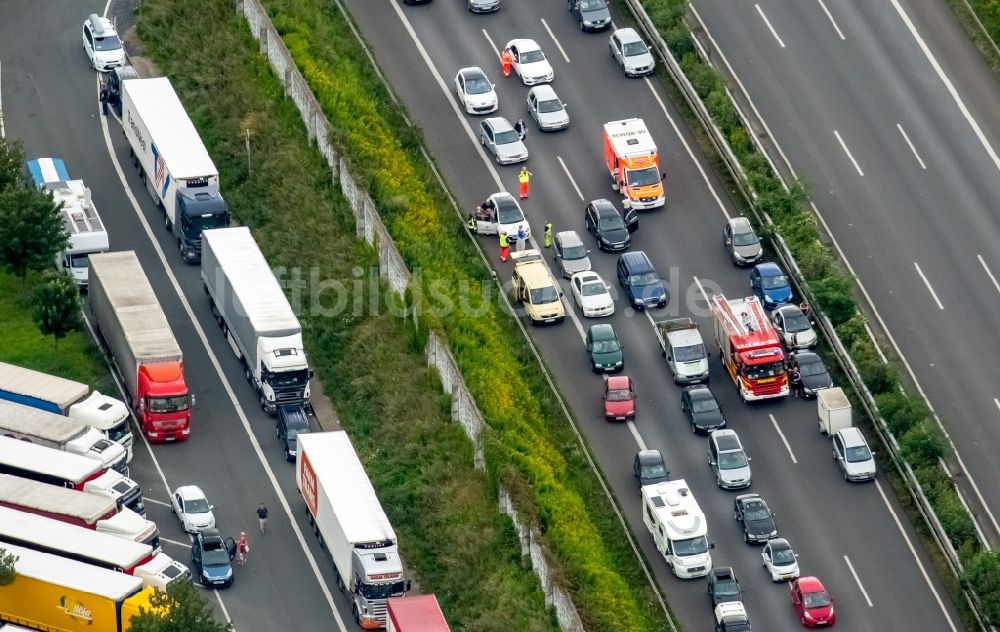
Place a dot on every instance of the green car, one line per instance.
(604, 349)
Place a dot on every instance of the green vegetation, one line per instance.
(372, 363)
(186, 610)
(8, 573)
(57, 308)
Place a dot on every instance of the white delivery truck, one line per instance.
(87, 234)
(678, 527)
(834, 410)
(255, 316)
(172, 162)
(345, 513)
(69, 398)
(681, 344)
(62, 433)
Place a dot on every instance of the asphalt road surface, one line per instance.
(889, 112)
(50, 103)
(851, 536)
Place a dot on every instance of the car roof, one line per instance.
(295, 416)
(748, 497)
(569, 238)
(700, 391)
(524, 44)
(723, 572)
(619, 381)
(544, 92)
(806, 356)
(603, 207)
(602, 331)
(779, 543)
(741, 224)
(102, 27)
(852, 437)
(208, 534)
(472, 71)
(810, 584)
(588, 277)
(188, 492)
(726, 440)
(650, 456)
(627, 35)
(768, 268)
(503, 197)
(499, 124)
(637, 258)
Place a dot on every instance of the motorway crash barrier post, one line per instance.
(674, 12)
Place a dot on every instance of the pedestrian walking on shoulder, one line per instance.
(524, 178)
(262, 516)
(548, 234)
(520, 129)
(506, 61)
(504, 246)
(522, 237)
(104, 98)
(242, 549)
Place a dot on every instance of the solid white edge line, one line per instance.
(857, 579)
(570, 176)
(777, 428)
(3, 132)
(157, 502)
(768, 23)
(912, 148)
(489, 39)
(928, 284)
(186, 545)
(832, 21)
(997, 402)
(636, 435)
(913, 551)
(222, 377)
(553, 36)
(988, 272)
(847, 151)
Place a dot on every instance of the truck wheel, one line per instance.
(357, 616)
(167, 223)
(340, 583)
(246, 373)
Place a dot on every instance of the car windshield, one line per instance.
(593, 289)
(531, 56)
(812, 367)
(858, 454)
(704, 404)
(646, 278)
(691, 546)
(543, 295)
(643, 177)
(619, 395)
(605, 346)
(745, 239)
(196, 506)
(796, 321)
(652, 471)
(727, 588)
(816, 600)
(108, 42)
(775, 282)
(635, 48)
(168, 404)
(612, 221)
(509, 213)
(782, 557)
(79, 261)
(592, 5)
(756, 512)
(689, 353)
(508, 137)
(574, 252)
(732, 460)
(761, 371)
(477, 85)
(552, 105)
(216, 556)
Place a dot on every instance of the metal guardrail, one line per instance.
(921, 502)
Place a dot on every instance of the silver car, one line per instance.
(742, 242)
(498, 136)
(545, 107)
(728, 459)
(631, 53)
(851, 452)
(484, 6)
(571, 255)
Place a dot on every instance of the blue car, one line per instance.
(770, 285)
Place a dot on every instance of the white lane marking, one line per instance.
(153, 500)
(222, 377)
(768, 23)
(492, 45)
(928, 284)
(3, 133)
(988, 272)
(913, 551)
(570, 176)
(636, 435)
(186, 545)
(553, 36)
(832, 21)
(997, 402)
(687, 148)
(848, 152)
(858, 580)
(912, 148)
(777, 428)
(947, 82)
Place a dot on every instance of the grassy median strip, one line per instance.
(372, 364)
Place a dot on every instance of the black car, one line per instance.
(292, 421)
(649, 468)
(604, 349)
(212, 558)
(723, 586)
(757, 519)
(591, 15)
(610, 230)
(807, 373)
(703, 411)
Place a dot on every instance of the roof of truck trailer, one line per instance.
(42, 386)
(40, 423)
(420, 611)
(50, 461)
(170, 128)
(87, 506)
(74, 575)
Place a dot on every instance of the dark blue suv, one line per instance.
(770, 285)
(641, 282)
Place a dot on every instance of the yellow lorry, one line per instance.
(56, 594)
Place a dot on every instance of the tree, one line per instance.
(32, 232)
(983, 575)
(57, 307)
(7, 571)
(11, 163)
(183, 610)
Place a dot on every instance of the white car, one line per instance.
(530, 62)
(631, 53)
(592, 294)
(476, 93)
(545, 107)
(100, 41)
(191, 507)
(780, 561)
(795, 328)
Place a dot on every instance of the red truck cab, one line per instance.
(750, 348)
(164, 402)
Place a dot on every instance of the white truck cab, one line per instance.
(161, 571)
(683, 347)
(107, 414)
(679, 528)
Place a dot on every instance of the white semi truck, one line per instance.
(255, 316)
(345, 513)
(172, 162)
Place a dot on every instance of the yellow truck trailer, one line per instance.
(56, 594)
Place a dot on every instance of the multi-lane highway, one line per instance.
(850, 536)
(889, 111)
(50, 103)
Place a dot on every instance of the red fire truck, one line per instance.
(750, 348)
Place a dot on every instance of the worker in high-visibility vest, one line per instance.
(548, 234)
(523, 179)
(506, 60)
(504, 246)
(471, 223)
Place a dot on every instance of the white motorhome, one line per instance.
(87, 234)
(679, 528)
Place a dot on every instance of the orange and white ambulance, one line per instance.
(631, 157)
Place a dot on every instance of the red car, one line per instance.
(812, 603)
(619, 398)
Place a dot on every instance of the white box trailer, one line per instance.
(259, 324)
(345, 512)
(834, 410)
(172, 162)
